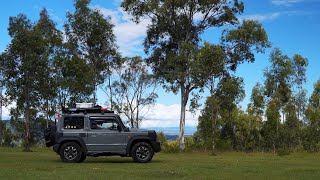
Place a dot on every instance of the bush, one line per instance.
(162, 139)
(284, 152)
(223, 144)
(172, 146)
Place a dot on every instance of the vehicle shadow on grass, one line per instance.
(110, 161)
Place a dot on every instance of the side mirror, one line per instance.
(119, 128)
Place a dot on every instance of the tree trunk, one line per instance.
(184, 100)
(47, 113)
(214, 120)
(27, 123)
(137, 119)
(131, 121)
(1, 132)
(110, 91)
(94, 95)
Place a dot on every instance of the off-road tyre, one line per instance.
(83, 157)
(142, 152)
(70, 152)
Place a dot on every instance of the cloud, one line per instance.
(261, 17)
(129, 35)
(285, 2)
(6, 111)
(162, 115)
(270, 16)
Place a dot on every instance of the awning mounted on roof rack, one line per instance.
(95, 109)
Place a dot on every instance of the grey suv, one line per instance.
(96, 131)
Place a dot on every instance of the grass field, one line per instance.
(45, 164)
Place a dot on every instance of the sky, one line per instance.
(292, 25)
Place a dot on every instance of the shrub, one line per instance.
(284, 152)
(224, 144)
(172, 146)
(162, 139)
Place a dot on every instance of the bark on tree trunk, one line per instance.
(47, 113)
(94, 95)
(184, 100)
(182, 125)
(214, 120)
(110, 90)
(27, 123)
(1, 132)
(131, 121)
(137, 119)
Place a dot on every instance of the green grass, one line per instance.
(45, 164)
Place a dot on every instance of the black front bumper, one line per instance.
(156, 146)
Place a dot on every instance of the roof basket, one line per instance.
(95, 109)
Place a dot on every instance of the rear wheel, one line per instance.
(71, 152)
(142, 152)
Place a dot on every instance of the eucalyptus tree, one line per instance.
(23, 62)
(53, 42)
(311, 140)
(220, 107)
(91, 38)
(257, 101)
(282, 77)
(134, 90)
(173, 42)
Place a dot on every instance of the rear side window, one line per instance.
(97, 123)
(73, 123)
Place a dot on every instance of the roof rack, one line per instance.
(95, 109)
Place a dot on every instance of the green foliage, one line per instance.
(284, 152)
(162, 139)
(90, 37)
(6, 136)
(257, 104)
(241, 43)
(172, 146)
(27, 52)
(173, 38)
(283, 126)
(311, 133)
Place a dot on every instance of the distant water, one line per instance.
(174, 131)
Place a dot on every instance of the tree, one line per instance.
(220, 105)
(311, 139)
(25, 53)
(133, 90)
(2, 128)
(91, 38)
(73, 77)
(281, 78)
(173, 39)
(257, 104)
(53, 43)
(6, 135)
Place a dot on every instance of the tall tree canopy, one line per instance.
(282, 78)
(174, 44)
(91, 38)
(53, 43)
(25, 62)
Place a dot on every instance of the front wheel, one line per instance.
(142, 152)
(70, 152)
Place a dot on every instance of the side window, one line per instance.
(73, 123)
(103, 124)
